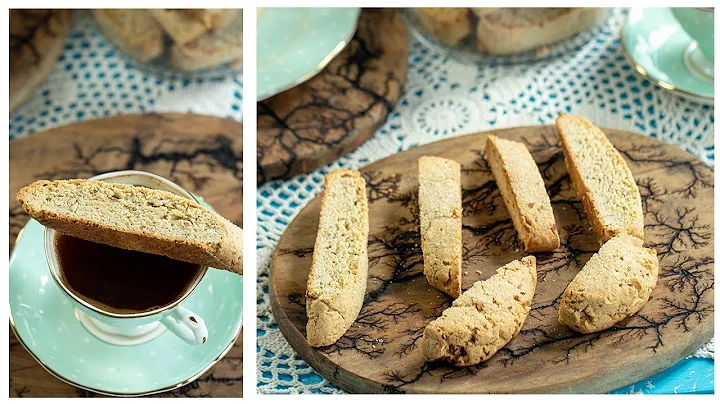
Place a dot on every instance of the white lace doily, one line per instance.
(93, 79)
(445, 98)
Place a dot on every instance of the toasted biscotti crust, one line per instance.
(136, 218)
(338, 275)
(484, 318)
(523, 191)
(448, 25)
(602, 179)
(440, 200)
(614, 284)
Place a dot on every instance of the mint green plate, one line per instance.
(44, 322)
(654, 43)
(295, 44)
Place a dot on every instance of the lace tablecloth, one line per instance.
(93, 79)
(445, 98)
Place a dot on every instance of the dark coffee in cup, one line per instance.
(122, 281)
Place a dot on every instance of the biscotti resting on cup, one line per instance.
(338, 275)
(484, 318)
(440, 200)
(136, 218)
(614, 284)
(448, 25)
(523, 191)
(602, 179)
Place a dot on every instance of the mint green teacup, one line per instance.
(133, 328)
(699, 23)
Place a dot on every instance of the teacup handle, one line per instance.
(187, 325)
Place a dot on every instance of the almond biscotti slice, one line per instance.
(448, 25)
(136, 218)
(523, 190)
(440, 200)
(602, 179)
(338, 275)
(614, 284)
(484, 318)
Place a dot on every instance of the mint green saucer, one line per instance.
(43, 320)
(655, 44)
(295, 44)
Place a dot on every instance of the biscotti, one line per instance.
(523, 190)
(338, 275)
(184, 26)
(440, 200)
(136, 218)
(135, 32)
(448, 25)
(614, 284)
(209, 50)
(484, 318)
(601, 178)
(503, 31)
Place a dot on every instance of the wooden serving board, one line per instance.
(36, 41)
(203, 154)
(381, 353)
(314, 123)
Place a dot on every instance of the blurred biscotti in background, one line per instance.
(189, 40)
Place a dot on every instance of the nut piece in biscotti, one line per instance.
(136, 218)
(601, 178)
(504, 31)
(484, 318)
(523, 190)
(614, 284)
(440, 200)
(338, 275)
(447, 25)
(134, 31)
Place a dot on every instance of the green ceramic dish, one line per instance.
(44, 321)
(295, 44)
(655, 45)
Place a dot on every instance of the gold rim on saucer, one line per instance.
(665, 85)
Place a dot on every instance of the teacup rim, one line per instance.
(49, 235)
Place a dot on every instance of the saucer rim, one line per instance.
(698, 98)
(112, 393)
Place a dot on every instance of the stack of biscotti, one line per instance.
(338, 275)
(448, 25)
(199, 38)
(136, 218)
(504, 31)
